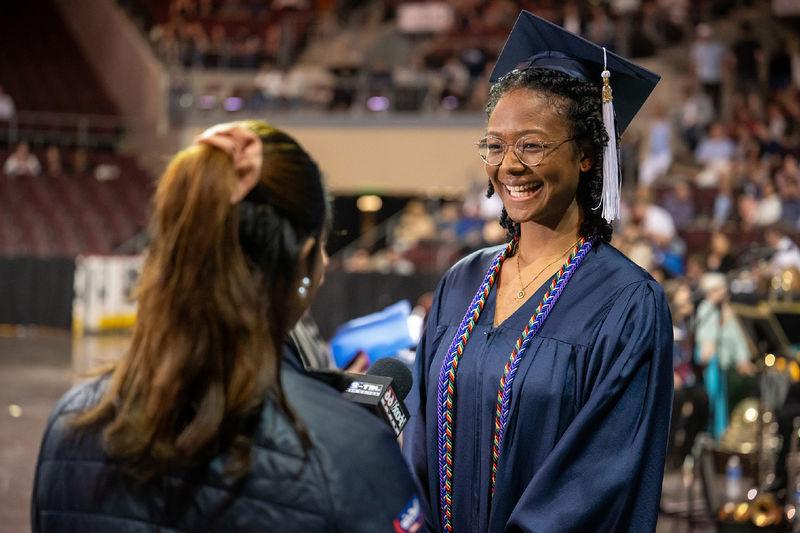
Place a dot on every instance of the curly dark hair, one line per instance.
(579, 102)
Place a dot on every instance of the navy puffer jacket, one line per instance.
(352, 479)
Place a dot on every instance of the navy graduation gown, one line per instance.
(586, 440)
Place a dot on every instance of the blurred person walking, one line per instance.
(720, 346)
(209, 423)
(708, 59)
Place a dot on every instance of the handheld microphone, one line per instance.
(381, 390)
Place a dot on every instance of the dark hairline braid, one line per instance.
(579, 103)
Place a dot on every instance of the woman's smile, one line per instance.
(522, 192)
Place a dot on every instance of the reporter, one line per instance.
(203, 425)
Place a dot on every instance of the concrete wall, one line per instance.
(127, 69)
(389, 159)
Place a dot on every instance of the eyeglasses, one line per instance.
(528, 150)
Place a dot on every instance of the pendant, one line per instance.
(521, 294)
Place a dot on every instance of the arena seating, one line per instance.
(67, 215)
(41, 67)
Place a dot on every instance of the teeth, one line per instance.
(521, 190)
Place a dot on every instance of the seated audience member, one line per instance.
(696, 113)
(657, 156)
(770, 207)
(80, 163)
(786, 254)
(654, 220)
(7, 108)
(415, 224)
(720, 258)
(680, 205)
(716, 146)
(22, 162)
(52, 160)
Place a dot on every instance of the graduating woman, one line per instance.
(543, 383)
(207, 423)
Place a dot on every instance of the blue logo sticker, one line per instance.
(410, 519)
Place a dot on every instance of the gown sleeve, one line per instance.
(605, 472)
(415, 446)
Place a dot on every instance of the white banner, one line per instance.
(104, 287)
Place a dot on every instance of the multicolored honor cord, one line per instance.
(447, 376)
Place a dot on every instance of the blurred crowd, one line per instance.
(389, 55)
(711, 204)
(23, 162)
(711, 209)
(232, 34)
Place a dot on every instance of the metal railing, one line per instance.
(74, 128)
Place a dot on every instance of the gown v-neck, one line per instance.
(491, 303)
(585, 443)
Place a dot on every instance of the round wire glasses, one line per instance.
(530, 151)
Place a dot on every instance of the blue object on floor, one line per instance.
(380, 334)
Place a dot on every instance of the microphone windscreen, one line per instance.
(399, 372)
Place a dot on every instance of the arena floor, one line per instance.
(37, 367)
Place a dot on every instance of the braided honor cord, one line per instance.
(447, 375)
(447, 388)
(549, 299)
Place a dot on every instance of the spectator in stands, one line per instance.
(779, 66)
(80, 162)
(677, 12)
(708, 57)
(655, 221)
(359, 261)
(690, 405)
(720, 346)
(414, 225)
(270, 85)
(7, 108)
(786, 254)
(571, 19)
(22, 162)
(456, 83)
(680, 205)
(52, 160)
(787, 178)
(657, 151)
(777, 127)
(720, 258)
(600, 28)
(218, 49)
(695, 269)
(748, 55)
(723, 204)
(769, 207)
(716, 146)
(696, 113)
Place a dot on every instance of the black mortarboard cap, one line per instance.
(538, 43)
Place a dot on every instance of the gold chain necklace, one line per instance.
(521, 292)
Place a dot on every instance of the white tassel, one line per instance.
(611, 177)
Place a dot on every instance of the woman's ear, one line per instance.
(306, 262)
(587, 161)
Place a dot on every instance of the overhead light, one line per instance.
(378, 103)
(369, 203)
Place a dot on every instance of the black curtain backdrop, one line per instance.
(36, 291)
(39, 292)
(345, 296)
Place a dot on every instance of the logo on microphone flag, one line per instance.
(410, 518)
